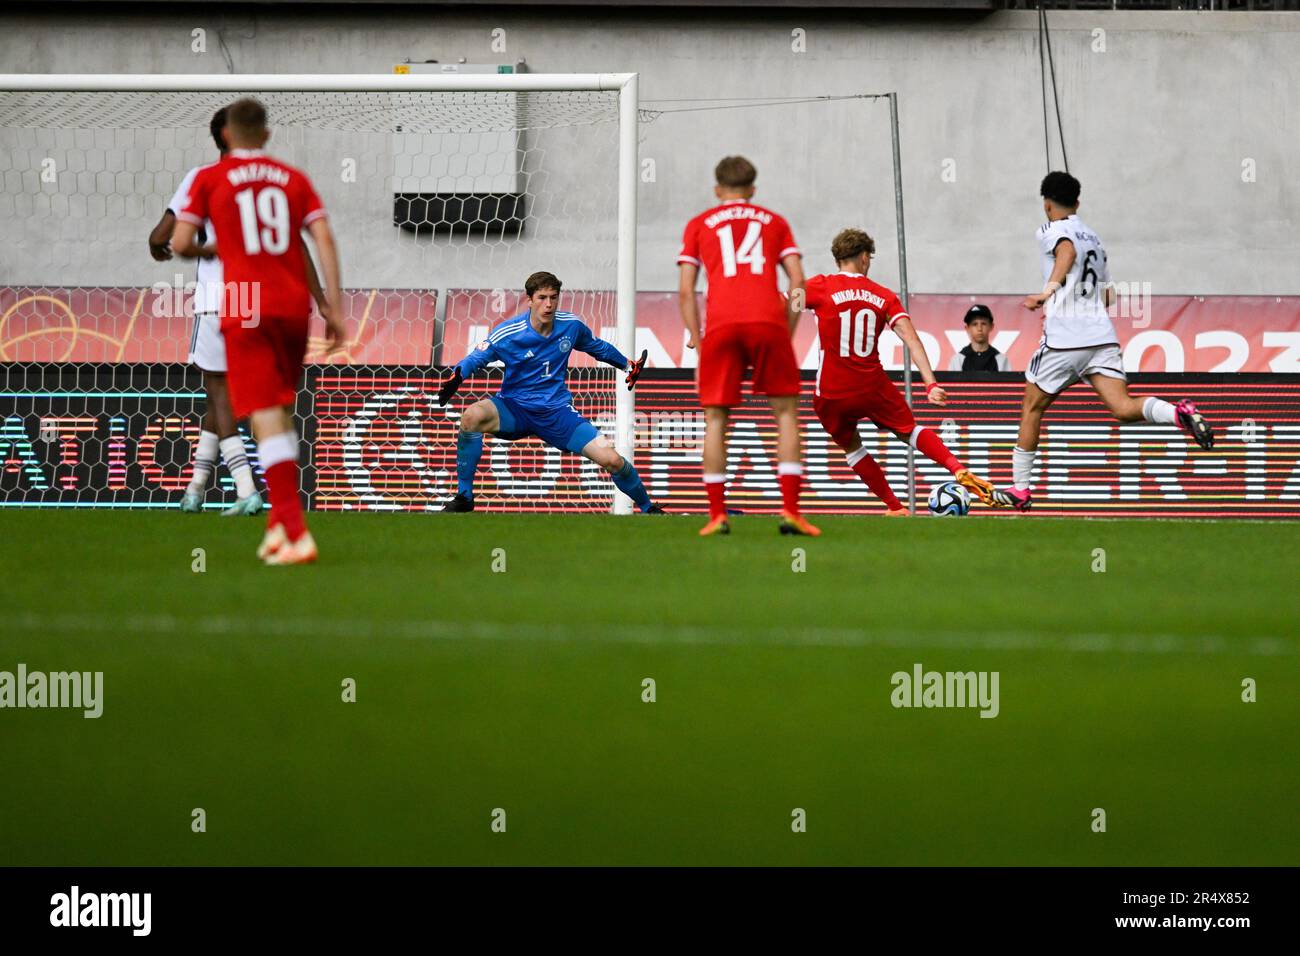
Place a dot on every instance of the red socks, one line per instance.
(869, 470)
(931, 446)
(716, 487)
(790, 476)
(286, 508)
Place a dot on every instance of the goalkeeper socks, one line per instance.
(629, 482)
(873, 476)
(1160, 412)
(279, 456)
(789, 474)
(716, 487)
(232, 453)
(1022, 468)
(469, 449)
(205, 462)
(931, 446)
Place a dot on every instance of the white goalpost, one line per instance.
(446, 191)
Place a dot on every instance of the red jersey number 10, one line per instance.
(862, 327)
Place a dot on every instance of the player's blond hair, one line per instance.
(851, 243)
(735, 172)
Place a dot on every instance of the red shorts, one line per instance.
(264, 363)
(879, 401)
(727, 351)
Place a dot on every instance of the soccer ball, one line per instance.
(949, 499)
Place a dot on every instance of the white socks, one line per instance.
(277, 448)
(205, 462)
(1160, 412)
(1022, 468)
(232, 453)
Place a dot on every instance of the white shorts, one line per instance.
(207, 344)
(1055, 370)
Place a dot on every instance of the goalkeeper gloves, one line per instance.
(450, 387)
(634, 369)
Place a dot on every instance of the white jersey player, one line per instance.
(1079, 341)
(219, 434)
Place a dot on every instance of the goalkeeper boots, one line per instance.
(459, 505)
(251, 505)
(192, 502)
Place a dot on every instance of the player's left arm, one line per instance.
(605, 352)
(902, 326)
(1065, 256)
(792, 262)
(332, 311)
(1108, 295)
(598, 348)
(313, 279)
(188, 220)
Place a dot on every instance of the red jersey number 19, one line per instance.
(862, 327)
(749, 254)
(264, 219)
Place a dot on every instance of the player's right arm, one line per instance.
(482, 354)
(160, 237)
(687, 303)
(689, 262)
(1065, 255)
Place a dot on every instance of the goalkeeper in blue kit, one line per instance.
(535, 347)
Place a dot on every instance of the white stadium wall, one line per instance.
(1163, 144)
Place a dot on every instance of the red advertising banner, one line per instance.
(382, 442)
(1157, 333)
(385, 326)
(117, 435)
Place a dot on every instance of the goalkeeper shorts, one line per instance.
(559, 427)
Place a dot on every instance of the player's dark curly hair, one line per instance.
(542, 280)
(216, 126)
(851, 243)
(1061, 188)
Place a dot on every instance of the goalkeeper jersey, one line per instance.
(535, 364)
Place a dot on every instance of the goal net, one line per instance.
(442, 202)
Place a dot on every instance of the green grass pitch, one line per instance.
(522, 690)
